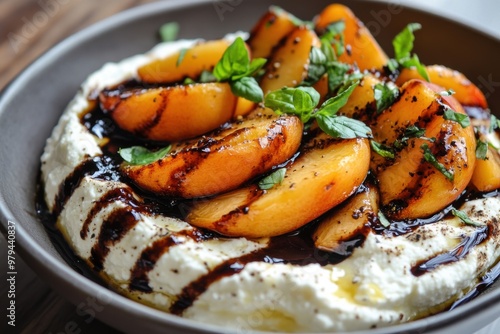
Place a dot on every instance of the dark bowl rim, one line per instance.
(34, 253)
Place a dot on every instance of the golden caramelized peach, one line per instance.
(465, 91)
(486, 176)
(361, 103)
(201, 57)
(326, 173)
(222, 160)
(345, 222)
(361, 48)
(288, 65)
(411, 186)
(171, 113)
(268, 32)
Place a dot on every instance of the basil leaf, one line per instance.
(299, 101)
(464, 218)
(343, 127)
(414, 131)
(207, 76)
(481, 149)
(182, 54)
(403, 42)
(430, 158)
(273, 179)
(234, 61)
(385, 94)
(248, 88)
(382, 150)
(138, 155)
(169, 31)
(383, 220)
(451, 115)
(331, 106)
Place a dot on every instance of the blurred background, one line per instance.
(30, 27)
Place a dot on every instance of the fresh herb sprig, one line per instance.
(465, 219)
(385, 94)
(303, 102)
(403, 46)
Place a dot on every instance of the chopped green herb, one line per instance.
(343, 127)
(334, 36)
(248, 88)
(448, 92)
(138, 155)
(188, 81)
(207, 76)
(317, 65)
(494, 123)
(382, 150)
(481, 149)
(169, 31)
(452, 115)
(273, 179)
(464, 218)
(299, 101)
(385, 94)
(235, 67)
(182, 54)
(331, 106)
(430, 158)
(383, 220)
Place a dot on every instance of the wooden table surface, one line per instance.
(27, 29)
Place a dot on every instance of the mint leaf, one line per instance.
(337, 75)
(385, 94)
(334, 35)
(464, 218)
(317, 66)
(415, 62)
(169, 31)
(451, 115)
(299, 101)
(138, 155)
(343, 127)
(430, 158)
(481, 149)
(382, 150)
(273, 179)
(411, 131)
(248, 88)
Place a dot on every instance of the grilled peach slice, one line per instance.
(326, 173)
(345, 222)
(361, 104)
(486, 176)
(288, 64)
(201, 57)
(465, 91)
(172, 113)
(222, 160)
(411, 187)
(361, 48)
(268, 32)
